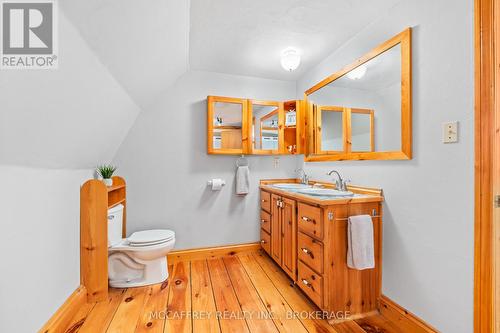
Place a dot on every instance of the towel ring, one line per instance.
(242, 161)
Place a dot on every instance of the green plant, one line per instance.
(106, 171)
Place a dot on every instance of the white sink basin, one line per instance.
(326, 192)
(292, 186)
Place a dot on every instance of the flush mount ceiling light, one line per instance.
(290, 59)
(357, 73)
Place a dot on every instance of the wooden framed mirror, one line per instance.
(373, 94)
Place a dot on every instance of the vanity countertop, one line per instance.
(361, 194)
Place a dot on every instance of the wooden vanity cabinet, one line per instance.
(283, 231)
(309, 242)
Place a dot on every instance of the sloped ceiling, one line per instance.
(75, 116)
(144, 44)
(247, 36)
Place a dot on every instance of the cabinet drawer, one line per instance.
(265, 221)
(310, 220)
(311, 283)
(265, 201)
(310, 251)
(265, 241)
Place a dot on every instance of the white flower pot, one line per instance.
(108, 181)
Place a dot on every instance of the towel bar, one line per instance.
(346, 218)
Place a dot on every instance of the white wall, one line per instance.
(165, 163)
(40, 214)
(428, 213)
(61, 123)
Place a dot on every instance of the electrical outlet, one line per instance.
(450, 132)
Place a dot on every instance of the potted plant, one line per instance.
(106, 171)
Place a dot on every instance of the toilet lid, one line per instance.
(150, 237)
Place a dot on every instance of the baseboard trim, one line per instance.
(403, 318)
(211, 252)
(61, 319)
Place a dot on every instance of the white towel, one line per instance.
(242, 180)
(360, 248)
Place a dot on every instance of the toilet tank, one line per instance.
(115, 224)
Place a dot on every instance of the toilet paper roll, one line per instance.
(217, 184)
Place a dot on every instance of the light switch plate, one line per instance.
(450, 132)
(276, 162)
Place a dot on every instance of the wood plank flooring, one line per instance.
(240, 293)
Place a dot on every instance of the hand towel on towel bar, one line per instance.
(242, 180)
(360, 250)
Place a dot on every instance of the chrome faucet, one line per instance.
(341, 184)
(304, 178)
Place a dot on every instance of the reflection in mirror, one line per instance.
(362, 137)
(265, 127)
(374, 85)
(331, 129)
(227, 125)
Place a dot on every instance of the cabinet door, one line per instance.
(227, 125)
(289, 237)
(266, 127)
(276, 228)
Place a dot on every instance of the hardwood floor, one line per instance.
(240, 293)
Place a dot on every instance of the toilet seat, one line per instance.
(143, 241)
(150, 237)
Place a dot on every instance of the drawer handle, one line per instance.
(263, 241)
(308, 252)
(307, 219)
(264, 200)
(307, 283)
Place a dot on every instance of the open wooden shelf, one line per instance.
(115, 187)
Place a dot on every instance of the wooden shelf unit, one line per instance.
(95, 200)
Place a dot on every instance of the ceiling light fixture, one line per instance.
(290, 59)
(357, 73)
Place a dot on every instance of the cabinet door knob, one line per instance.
(263, 200)
(263, 241)
(263, 221)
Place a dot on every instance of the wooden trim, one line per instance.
(379, 155)
(484, 137)
(367, 57)
(402, 318)
(404, 39)
(62, 317)
(211, 252)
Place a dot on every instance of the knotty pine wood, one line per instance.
(95, 200)
(240, 282)
(486, 114)
(211, 252)
(63, 316)
(403, 318)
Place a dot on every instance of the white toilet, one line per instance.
(140, 259)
